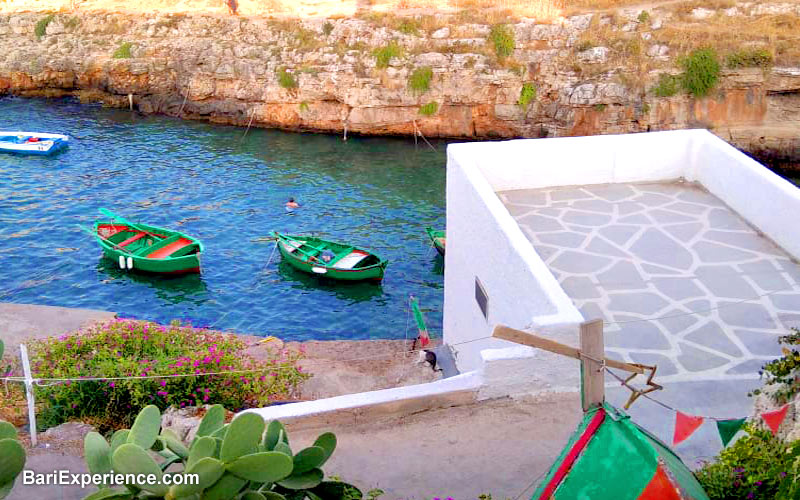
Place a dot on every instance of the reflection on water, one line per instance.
(210, 182)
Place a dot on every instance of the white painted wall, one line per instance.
(767, 201)
(483, 240)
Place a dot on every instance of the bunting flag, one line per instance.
(774, 419)
(728, 428)
(685, 425)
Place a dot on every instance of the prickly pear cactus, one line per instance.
(12, 458)
(231, 461)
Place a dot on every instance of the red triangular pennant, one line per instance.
(685, 425)
(774, 419)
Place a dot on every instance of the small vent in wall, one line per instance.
(481, 298)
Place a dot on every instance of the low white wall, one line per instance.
(767, 201)
(465, 382)
(570, 161)
(484, 241)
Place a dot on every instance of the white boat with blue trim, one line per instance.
(32, 143)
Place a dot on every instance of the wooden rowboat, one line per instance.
(437, 238)
(326, 258)
(32, 143)
(147, 248)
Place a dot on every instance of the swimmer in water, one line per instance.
(291, 205)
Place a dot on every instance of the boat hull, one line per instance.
(438, 239)
(42, 144)
(155, 259)
(317, 268)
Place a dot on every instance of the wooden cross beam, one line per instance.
(592, 356)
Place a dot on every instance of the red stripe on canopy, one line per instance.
(573, 454)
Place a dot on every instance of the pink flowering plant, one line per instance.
(172, 365)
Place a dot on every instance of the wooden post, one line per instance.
(592, 359)
(26, 370)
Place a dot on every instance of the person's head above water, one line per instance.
(291, 200)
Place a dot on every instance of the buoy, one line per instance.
(130, 263)
(319, 270)
(122, 262)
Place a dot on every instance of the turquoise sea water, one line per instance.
(206, 181)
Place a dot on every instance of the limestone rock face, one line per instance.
(299, 75)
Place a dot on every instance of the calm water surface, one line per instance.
(205, 180)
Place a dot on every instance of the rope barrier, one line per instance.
(269, 368)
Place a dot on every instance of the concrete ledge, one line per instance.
(20, 322)
(366, 406)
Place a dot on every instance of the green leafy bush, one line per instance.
(286, 79)
(749, 58)
(41, 27)
(236, 460)
(785, 371)
(502, 38)
(420, 79)
(12, 455)
(757, 466)
(327, 28)
(303, 106)
(667, 86)
(123, 51)
(644, 16)
(526, 95)
(700, 72)
(429, 109)
(128, 348)
(385, 54)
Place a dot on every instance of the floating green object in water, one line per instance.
(437, 238)
(147, 248)
(333, 260)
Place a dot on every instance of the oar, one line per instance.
(128, 223)
(105, 239)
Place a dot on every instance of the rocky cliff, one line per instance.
(372, 76)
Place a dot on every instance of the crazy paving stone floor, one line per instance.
(680, 280)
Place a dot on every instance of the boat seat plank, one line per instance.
(292, 247)
(133, 238)
(350, 260)
(169, 249)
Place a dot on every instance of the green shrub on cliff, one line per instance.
(41, 27)
(286, 79)
(385, 54)
(749, 58)
(526, 95)
(420, 80)
(502, 37)
(429, 109)
(700, 71)
(123, 51)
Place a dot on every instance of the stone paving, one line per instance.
(680, 280)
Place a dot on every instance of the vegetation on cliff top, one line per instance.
(502, 38)
(384, 55)
(41, 27)
(700, 71)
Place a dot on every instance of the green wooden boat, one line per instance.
(147, 248)
(326, 258)
(437, 238)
